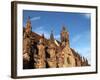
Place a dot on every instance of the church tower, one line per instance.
(27, 44)
(28, 26)
(64, 37)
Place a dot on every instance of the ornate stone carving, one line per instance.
(39, 52)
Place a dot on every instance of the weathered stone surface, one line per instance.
(39, 52)
(69, 60)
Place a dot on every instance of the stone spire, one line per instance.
(51, 36)
(28, 25)
(28, 20)
(64, 29)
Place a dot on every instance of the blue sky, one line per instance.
(77, 24)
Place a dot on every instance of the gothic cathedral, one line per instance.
(39, 52)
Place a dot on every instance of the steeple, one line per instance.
(28, 20)
(51, 36)
(64, 29)
(28, 25)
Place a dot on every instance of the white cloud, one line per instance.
(76, 38)
(81, 43)
(84, 51)
(87, 16)
(57, 37)
(82, 36)
(32, 19)
(40, 30)
(35, 18)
